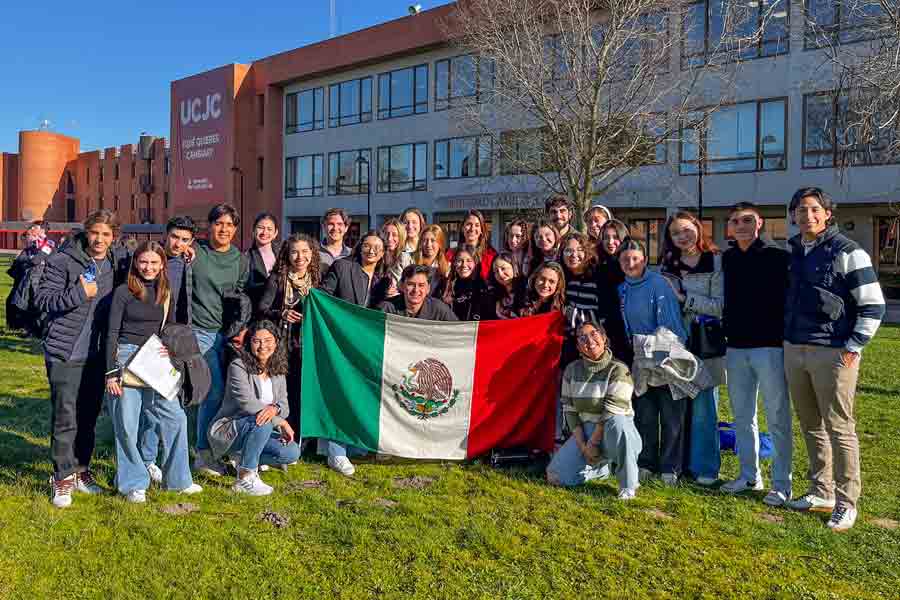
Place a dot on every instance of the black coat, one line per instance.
(346, 280)
(184, 352)
(432, 310)
(256, 274)
(271, 306)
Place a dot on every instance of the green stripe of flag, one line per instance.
(343, 352)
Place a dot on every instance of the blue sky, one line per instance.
(100, 70)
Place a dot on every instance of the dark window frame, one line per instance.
(360, 188)
(293, 103)
(759, 156)
(414, 108)
(335, 119)
(478, 145)
(296, 191)
(835, 30)
(452, 100)
(390, 186)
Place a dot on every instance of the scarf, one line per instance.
(296, 288)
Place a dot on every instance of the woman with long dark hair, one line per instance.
(297, 271)
(465, 291)
(140, 308)
(546, 290)
(582, 293)
(516, 238)
(252, 424)
(609, 278)
(504, 288)
(475, 233)
(261, 256)
(694, 266)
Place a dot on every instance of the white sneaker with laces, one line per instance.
(706, 481)
(248, 482)
(205, 463)
(811, 502)
(86, 484)
(843, 517)
(626, 494)
(775, 498)
(136, 496)
(342, 465)
(670, 479)
(191, 489)
(155, 473)
(62, 491)
(736, 486)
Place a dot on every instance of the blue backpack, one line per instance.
(728, 440)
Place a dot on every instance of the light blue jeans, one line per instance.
(704, 454)
(127, 412)
(212, 345)
(752, 370)
(333, 449)
(262, 444)
(621, 446)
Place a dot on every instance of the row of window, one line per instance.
(745, 137)
(467, 78)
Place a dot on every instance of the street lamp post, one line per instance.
(360, 161)
(241, 173)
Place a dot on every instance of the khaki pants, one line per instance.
(822, 391)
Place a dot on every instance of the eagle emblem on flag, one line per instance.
(426, 390)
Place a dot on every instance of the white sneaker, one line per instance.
(86, 484)
(670, 479)
(775, 498)
(191, 489)
(843, 517)
(706, 481)
(626, 494)
(136, 496)
(205, 463)
(811, 502)
(342, 465)
(645, 474)
(62, 491)
(736, 486)
(155, 473)
(251, 484)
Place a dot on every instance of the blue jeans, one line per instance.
(127, 411)
(262, 444)
(212, 345)
(333, 449)
(621, 445)
(751, 370)
(704, 454)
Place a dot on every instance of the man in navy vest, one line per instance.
(834, 307)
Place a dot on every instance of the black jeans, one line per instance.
(660, 421)
(76, 394)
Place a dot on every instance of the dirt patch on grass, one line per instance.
(885, 523)
(386, 503)
(659, 514)
(415, 482)
(307, 484)
(275, 519)
(770, 518)
(181, 508)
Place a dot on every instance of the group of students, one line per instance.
(639, 387)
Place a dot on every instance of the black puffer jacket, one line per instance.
(68, 308)
(184, 352)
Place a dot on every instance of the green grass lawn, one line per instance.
(466, 531)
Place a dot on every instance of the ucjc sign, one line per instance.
(196, 110)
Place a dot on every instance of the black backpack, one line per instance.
(21, 310)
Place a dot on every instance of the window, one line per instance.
(303, 175)
(650, 233)
(462, 79)
(463, 157)
(402, 168)
(133, 168)
(260, 109)
(403, 92)
(738, 138)
(133, 205)
(165, 167)
(100, 202)
(708, 26)
(116, 171)
(165, 199)
(347, 174)
(830, 131)
(842, 22)
(523, 152)
(644, 43)
(350, 102)
(88, 175)
(115, 203)
(101, 173)
(260, 172)
(305, 111)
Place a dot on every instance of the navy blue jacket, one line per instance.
(833, 298)
(69, 310)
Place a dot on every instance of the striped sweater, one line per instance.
(595, 391)
(834, 298)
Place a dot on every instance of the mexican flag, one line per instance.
(427, 389)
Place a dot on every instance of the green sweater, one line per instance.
(215, 274)
(595, 391)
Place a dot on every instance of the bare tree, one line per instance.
(583, 92)
(860, 40)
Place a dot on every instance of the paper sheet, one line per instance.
(155, 370)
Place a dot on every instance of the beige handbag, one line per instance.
(131, 380)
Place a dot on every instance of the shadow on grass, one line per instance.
(877, 389)
(11, 343)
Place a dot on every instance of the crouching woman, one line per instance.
(252, 424)
(596, 401)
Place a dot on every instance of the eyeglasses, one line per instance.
(269, 342)
(375, 249)
(584, 338)
(573, 252)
